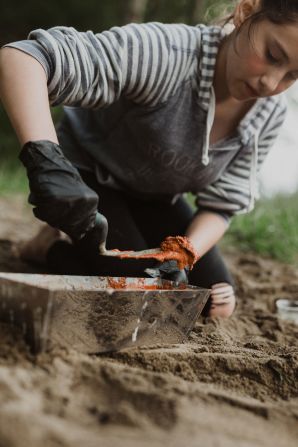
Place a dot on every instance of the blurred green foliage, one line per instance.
(271, 229)
(12, 174)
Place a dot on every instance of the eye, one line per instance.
(271, 58)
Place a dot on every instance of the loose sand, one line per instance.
(233, 384)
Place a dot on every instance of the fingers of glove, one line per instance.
(168, 266)
(74, 217)
(170, 271)
(163, 269)
(177, 276)
(69, 212)
(60, 185)
(90, 243)
(180, 277)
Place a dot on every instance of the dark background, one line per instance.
(18, 17)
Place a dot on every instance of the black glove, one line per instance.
(94, 241)
(169, 270)
(59, 195)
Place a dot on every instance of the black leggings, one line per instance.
(135, 224)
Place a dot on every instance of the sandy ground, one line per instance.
(234, 383)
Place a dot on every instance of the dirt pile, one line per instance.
(234, 383)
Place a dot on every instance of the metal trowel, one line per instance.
(131, 254)
(98, 314)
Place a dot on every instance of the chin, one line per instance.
(238, 96)
(248, 99)
(236, 93)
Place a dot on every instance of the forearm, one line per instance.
(206, 229)
(24, 94)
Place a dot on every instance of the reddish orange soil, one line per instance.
(176, 248)
(120, 283)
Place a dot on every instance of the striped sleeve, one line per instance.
(232, 192)
(145, 62)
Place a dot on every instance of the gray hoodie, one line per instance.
(139, 110)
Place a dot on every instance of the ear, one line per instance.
(244, 9)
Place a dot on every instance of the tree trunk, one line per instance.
(134, 10)
(197, 11)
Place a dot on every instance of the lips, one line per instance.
(251, 90)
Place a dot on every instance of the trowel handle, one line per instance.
(131, 254)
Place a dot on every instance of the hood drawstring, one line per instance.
(253, 173)
(253, 190)
(210, 119)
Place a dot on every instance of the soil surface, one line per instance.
(233, 384)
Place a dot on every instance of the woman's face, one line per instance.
(264, 63)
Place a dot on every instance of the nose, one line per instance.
(270, 81)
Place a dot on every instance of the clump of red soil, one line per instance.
(181, 249)
(178, 248)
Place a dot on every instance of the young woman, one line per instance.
(153, 111)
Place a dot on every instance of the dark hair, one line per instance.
(277, 11)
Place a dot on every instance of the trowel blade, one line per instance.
(98, 314)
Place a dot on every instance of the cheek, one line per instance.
(283, 86)
(245, 65)
(254, 65)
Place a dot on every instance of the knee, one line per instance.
(222, 300)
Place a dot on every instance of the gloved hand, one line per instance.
(169, 270)
(94, 241)
(59, 195)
